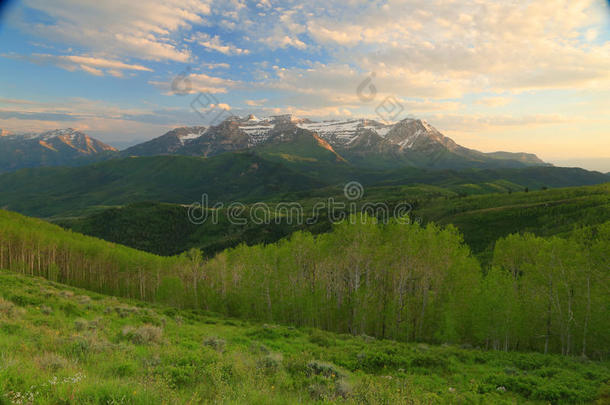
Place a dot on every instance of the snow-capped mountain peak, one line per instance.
(409, 141)
(56, 147)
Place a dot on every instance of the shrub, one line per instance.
(45, 309)
(83, 299)
(270, 364)
(51, 362)
(373, 361)
(321, 339)
(259, 348)
(125, 311)
(215, 343)
(80, 324)
(328, 370)
(343, 389)
(9, 310)
(318, 391)
(78, 346)
(66, 293)
(145, 334)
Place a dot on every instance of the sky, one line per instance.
(530, 76)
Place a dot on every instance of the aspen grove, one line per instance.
(397, 281)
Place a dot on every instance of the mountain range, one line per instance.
(250, 159)
(357, 142)
(60, 147)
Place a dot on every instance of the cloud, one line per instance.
(283, 41)
(101, 119)
(222, 106)
(16, 101)
(256, 103)
(146, 30)
(195, 83)
(478, 122)
(37, 116)
(213, 43)
(216, 65)
(89, 64)
(434, 50)
(494, 101)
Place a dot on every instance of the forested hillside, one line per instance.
(399, 281)
(243, 176)
(165, 228)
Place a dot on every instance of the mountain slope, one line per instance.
(235, 176)
(169, 143)
(360, 142)
(177, 179)
(416, 143)
(300, 148)
(53, 148)
(225, 137)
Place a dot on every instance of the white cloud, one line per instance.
(195, 83)
(106, 121)
(90, 64)
(440, 50)
(216, 65)
(214, 43)
(146, 30)
(256, 103)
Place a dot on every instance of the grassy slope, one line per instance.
(64, 345)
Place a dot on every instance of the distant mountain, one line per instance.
(167, 144)
(64, 147)
(410, 142)
(526, 158)
(226, 137)
(359, 142)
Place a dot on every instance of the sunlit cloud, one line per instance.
(467, 66)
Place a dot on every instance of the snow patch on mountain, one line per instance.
(344, 132)
(188, 137)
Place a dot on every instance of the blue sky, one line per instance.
(494, 75)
